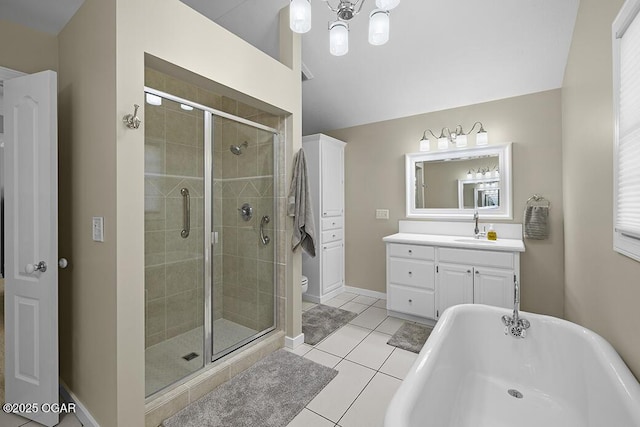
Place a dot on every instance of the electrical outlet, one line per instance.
(382, 213)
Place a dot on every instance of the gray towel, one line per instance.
(300, 208)
(536, 224)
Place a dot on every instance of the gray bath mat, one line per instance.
(411, 337)
(270, 394)
(321, 320)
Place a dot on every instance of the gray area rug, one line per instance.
(321, 320)
(411, 337)
(270, 394)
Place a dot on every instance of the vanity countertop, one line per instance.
(463, 242)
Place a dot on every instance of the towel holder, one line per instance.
(538, 200)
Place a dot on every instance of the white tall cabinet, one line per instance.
(325, 166)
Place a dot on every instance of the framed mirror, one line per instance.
(453, 184)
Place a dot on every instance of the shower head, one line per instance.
(237, 149)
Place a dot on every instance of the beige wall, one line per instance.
(87, 177)
(531, 122)
(102, 51)
(27, 50)
(602, 287)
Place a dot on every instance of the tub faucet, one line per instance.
(514, 325)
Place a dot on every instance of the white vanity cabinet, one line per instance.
(428, 274)
(325, 167)
(475, 276)
(411, 279)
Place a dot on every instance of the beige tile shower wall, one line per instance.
(374, 158)
(247, 263)
(173, 265)
(243, 267)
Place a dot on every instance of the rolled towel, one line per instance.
(536, 223)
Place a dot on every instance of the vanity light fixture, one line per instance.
(457, 138)
(300, 21)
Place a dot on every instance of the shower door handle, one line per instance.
(186, 213)
(265, 239)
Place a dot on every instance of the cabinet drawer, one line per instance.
(331, 235)
(412, 272)
(476, 258)
(418, 302)
(411, 251)
(331, 223)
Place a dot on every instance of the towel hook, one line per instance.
(132, 121)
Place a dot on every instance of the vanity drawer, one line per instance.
(331, 235)
(411, 251)
(418, 302)
(477, 257)
(412, 272)
(331, 223)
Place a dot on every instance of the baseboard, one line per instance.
(365, 292)
(82, 413)
(294, 342)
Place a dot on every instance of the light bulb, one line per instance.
(378, 27)
(300, 16)
(338, 38)
(153, 99)
(387, 4)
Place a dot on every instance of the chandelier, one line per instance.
(300, 21)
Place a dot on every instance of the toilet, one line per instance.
(305, 284)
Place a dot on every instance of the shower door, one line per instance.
(174, 230)
(210, 235)
(244, 238)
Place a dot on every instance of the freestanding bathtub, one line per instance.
(470, 374)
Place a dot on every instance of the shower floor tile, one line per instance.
(164, 363)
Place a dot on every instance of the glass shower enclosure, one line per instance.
(209, 235)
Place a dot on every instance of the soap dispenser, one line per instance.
(491, 234)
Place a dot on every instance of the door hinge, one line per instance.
(437, 269)
(437, 313)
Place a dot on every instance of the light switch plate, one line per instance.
(382, 213)
(97, 229)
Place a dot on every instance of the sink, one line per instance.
(472, 240)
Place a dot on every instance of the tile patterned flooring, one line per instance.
(369, 370)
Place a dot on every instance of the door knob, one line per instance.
(31, 268)
(63, 263)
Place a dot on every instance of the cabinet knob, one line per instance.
(477, 272)
(468, 271)
(333, 235)
(410, 301)
(410, 251)
(410, 273)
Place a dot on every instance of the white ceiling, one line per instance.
(441, 53)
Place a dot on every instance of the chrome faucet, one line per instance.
(476, 230)
(514, 325)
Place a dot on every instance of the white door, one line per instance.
(455, 286)
(332, 178)
(31, 242)
(493, 287)
(332, 266)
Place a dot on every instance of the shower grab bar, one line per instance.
(265, 239)
(186, 212)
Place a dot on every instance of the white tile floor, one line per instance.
(369, 370)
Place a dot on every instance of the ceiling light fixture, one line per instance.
(300, 21)
(458, 137)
